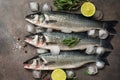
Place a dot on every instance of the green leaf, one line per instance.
(63, 1)
(86, 73)
(75, 78)
(71, 42)
(59, 8)
(75, 43)
(66, 4)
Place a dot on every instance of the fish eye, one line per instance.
(32, 16)
(32, 37)
(42, 38)
(42, 18)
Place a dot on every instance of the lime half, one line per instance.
(58, 74)
(88, 9)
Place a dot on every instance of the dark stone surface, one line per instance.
(12, 52)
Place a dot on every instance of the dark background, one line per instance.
(12, 32)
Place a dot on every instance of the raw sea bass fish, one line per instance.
(68, 22)
(65, 60)
(56, 38)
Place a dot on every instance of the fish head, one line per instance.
(35, 64)
(37, 40)
(39, 63)
(36, 18)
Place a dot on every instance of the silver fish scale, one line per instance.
(76, 19)
(59, 36)
(68, 57)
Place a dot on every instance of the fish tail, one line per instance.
(103, 57)
(108, 25)
(106, 43)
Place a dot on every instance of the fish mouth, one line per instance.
(30, 66)
(29, 20)
(35, 22)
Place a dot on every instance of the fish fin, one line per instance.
(106, 43)
(103, 57)
(44, 60)
(46, 17)
(109, 26)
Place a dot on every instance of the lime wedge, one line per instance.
(88, 9)
(58, 74)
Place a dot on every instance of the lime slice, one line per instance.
(58, 74)
(88, 9)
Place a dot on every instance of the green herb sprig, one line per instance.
(71, 42)
(86, 73)
(68, 4)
